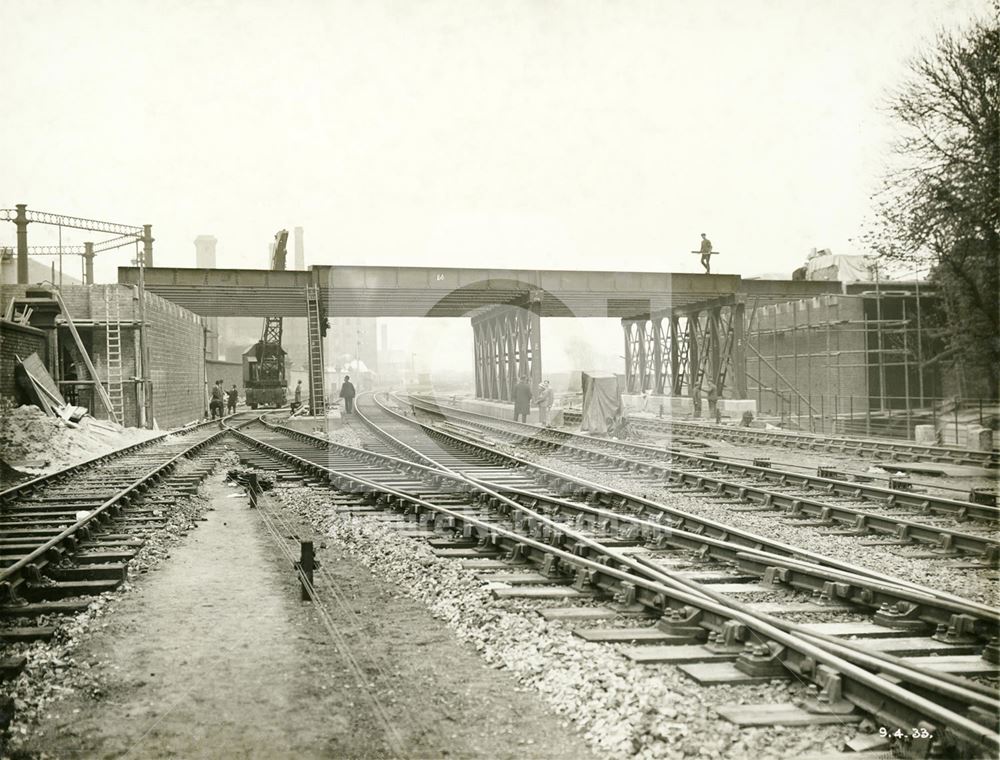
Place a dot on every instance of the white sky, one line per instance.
(511, 133)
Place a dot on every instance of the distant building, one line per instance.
(38, 270)
(204, 258)
(350, 338)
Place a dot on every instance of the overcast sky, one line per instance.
(518, 133)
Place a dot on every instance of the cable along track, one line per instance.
(590, 549)
(842, 503)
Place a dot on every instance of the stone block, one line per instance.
(978, 438)
(925, 434)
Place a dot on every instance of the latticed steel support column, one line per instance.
(680, 353)
(507, 345)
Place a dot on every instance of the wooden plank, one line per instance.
(35, 633)
(865, 630)
(538, 592)
(44, 608)
(963, 665)
(577, 613)
(485, 564)
(742, 588)
(777, 608)
(711, 673)
(462, 553)
(650, 635)
(678, 654)
(716, 579)
(515, 579)
(10, 667)
(918, 645)
(447, 543)
(779, 714)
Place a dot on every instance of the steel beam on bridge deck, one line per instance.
(701, 344)
(507, 345)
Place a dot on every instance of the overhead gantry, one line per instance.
(125, 234)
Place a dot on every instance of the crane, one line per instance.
(264, 362)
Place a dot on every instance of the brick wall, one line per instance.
(177, 362)
(176, 350)
(230, 373)
(17, 341)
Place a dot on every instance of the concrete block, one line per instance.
(636, 402)
(925, 434)
(661, 406)
(978, 438)
(734, 407)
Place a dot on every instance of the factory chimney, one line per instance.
(204, 251)
(300, 251)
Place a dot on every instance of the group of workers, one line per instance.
(220, 398)
(523, 396)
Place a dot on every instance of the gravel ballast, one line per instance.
(902, 562)
(52, 668)
(623, 709)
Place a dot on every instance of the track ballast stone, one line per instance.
(973, 584)
(623, 709)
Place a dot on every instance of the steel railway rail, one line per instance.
(874, 448)
(540, 535)
(616, 508)
(58, 534)
(828, 481)
(788, 492)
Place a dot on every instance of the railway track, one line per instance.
(577, 541)
(949, 526)
(70, 535)
(877, 449)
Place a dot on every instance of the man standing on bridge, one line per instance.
(706, 253)
(348, 393)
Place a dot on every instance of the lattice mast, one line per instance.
(270, 356)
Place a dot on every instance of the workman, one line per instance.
(231, 396)
(706, 253)
(712, 394)
(215, 405)
(522, 399)
(298, 395)
(545, 399)
(348, 393)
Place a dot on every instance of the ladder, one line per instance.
(314, 329)
(113, 343)
(102, 394)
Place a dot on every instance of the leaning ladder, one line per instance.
(317, 382)
(102, 394)
(113, 343)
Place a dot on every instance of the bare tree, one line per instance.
(941, 200)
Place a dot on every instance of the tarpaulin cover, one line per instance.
(829, 266)
(601, 400)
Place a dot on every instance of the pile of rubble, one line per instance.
(34, 442)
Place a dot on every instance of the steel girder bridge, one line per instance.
(679, 329)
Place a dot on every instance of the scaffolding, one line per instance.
(828, 364)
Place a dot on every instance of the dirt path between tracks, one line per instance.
(214, 656)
